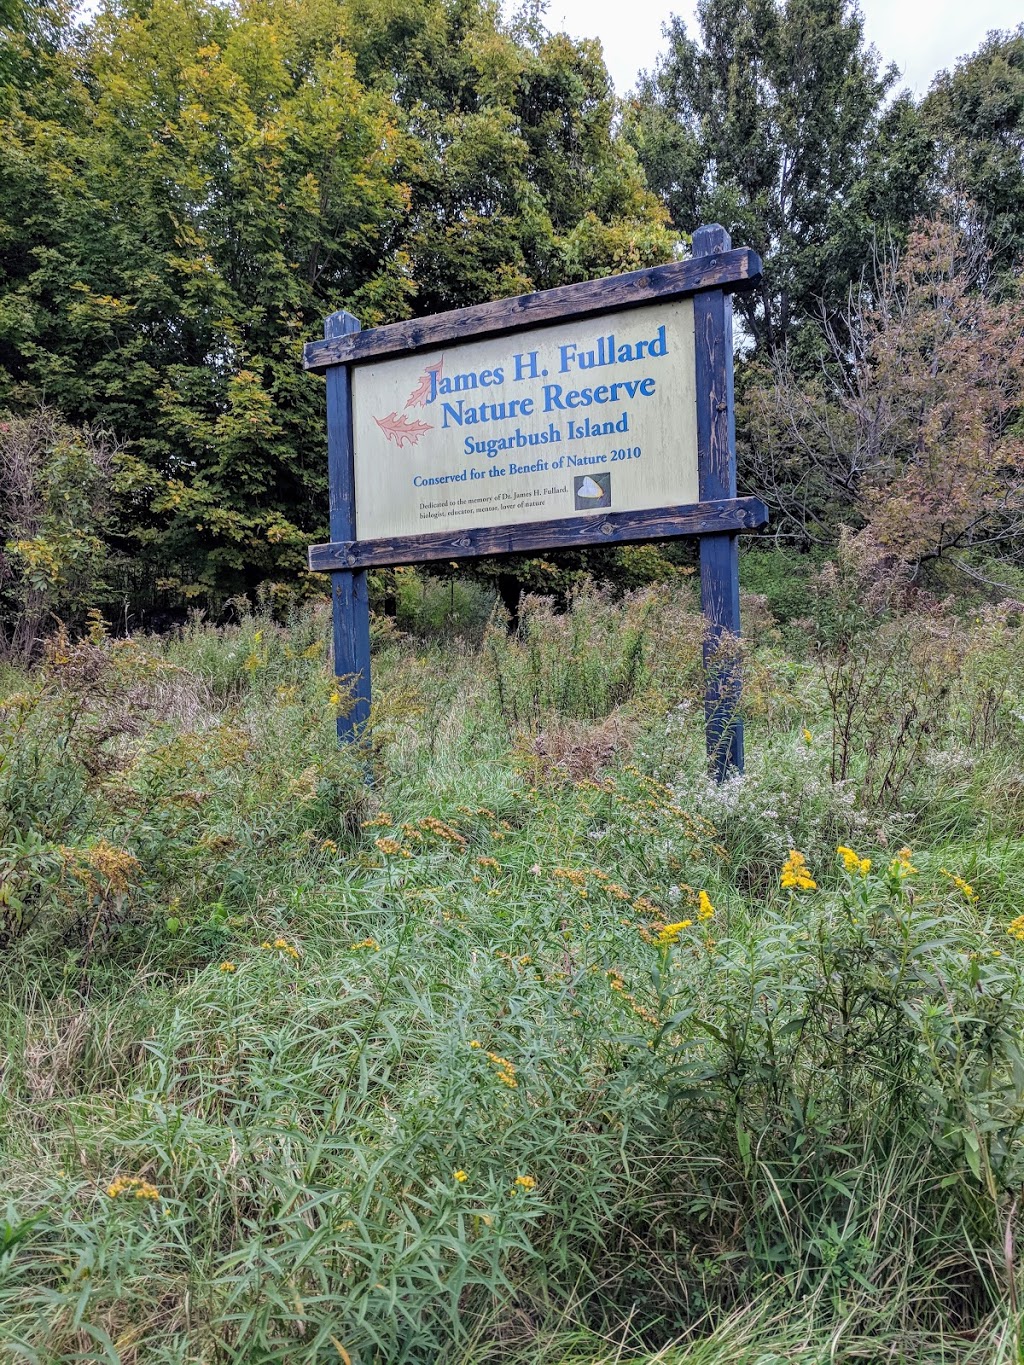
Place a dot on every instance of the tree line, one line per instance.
(188, 187)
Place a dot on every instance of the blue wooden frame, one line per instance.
(714, 272)
(349, 592)
(719, 552)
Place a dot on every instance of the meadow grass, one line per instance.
(523, 1052)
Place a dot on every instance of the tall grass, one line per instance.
(462, 1066)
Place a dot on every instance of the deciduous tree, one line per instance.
(189, 187)
(770, 122)
(975, 113)
(912, 430)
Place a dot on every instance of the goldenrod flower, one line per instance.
(526, 1182)
(808, 737)
(431, 825)
(460, 1176)
(574, 875)
(705, 909)
(504, 1069)
(670, 933)
(135, 1186)
(1016, 928)
(795, 875)
(968, 891)
(853, 862)
(902, 865)
(227, 967)
(387, 845)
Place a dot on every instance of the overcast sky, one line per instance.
(921, 36)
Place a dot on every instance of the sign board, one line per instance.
(584, 416)
(597, 413)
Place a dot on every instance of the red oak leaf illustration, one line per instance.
(421, 392)
(400, 429)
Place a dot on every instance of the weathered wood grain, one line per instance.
(718, 270)
(719, 556)
(613, 528)
(350, 594)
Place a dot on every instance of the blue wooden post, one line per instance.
(719, 558)
(348, 586)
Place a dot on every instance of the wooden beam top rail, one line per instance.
(613, 528)
(731, 270)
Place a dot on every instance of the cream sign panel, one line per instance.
(588, 415)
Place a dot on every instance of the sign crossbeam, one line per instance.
(481, 431)
(731, 270)
(723, 515)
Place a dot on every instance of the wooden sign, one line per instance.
(597, 413)
(581, 416)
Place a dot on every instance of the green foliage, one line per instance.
(187, 191)
(788, 166)
(276, 1012)
(851, 1025)
(585, 662)
(975, 113)
(908, 430)
(56, 527)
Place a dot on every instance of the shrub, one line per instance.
(55, 556)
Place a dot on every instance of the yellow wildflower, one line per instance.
(853, 862)
(135, 1186)
(795, 874)
(227, 967)
(968, 891)
(902, 865)
(387, 845)
(365, 943)
(506, 1072)
(431, 825)
(670, 933)
(1016, 928)
(526, 1182)
(705, 910)
(574, 875)
(460, 1176)
(808, 737)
